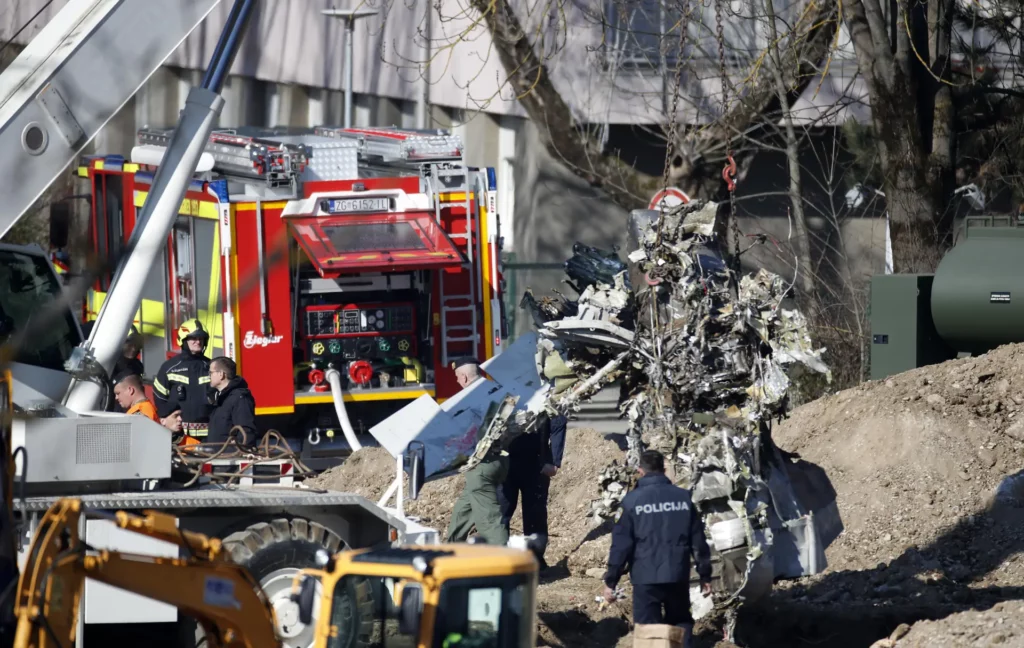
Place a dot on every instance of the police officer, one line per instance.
(182, 382)
(478, 506)
(533, 459)
(658, 530)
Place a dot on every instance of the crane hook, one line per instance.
(729, 173)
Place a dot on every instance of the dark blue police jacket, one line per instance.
(658, 530)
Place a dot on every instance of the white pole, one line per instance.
(349, 16)
(350, 32)
(888, 246)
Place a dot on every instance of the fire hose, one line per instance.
(334, 380)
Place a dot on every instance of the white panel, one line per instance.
(279, 108)
(508, 128)
(106, 604)
(410, 114)
(361, 110)
(234, 93)
(316, 111)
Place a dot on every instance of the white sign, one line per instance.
(252, 340)
(668, 198)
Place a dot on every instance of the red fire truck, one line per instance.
(373, 252)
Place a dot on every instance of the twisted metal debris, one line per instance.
(705, 360)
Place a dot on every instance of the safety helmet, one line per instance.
(192, 329)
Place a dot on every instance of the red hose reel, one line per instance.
(360, 372)
(318, 380)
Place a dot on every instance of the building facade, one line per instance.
(433, 65)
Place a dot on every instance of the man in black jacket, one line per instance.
(233, 404)
(182, 382)
(658, 530)
(533, 459)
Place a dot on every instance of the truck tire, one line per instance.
(274, 552)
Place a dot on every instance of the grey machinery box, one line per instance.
(903, 335)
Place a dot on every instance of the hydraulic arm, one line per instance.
(220, 595)
(92, 363)
(73, 77)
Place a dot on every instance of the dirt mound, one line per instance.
(1002, 625)
(572, 539)
(915, 461)
(368, 472)
(914, 455)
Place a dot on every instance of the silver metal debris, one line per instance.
(705, 360)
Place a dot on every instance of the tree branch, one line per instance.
(528, 75)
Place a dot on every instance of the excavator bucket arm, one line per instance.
(220, 595)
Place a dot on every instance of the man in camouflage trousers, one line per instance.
(478, 505)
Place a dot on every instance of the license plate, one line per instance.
(358, 205)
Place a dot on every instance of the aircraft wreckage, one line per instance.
(704, 359)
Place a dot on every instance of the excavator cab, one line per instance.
(448, 596)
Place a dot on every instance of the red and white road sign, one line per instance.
(668, 198)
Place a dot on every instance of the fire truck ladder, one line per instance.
(234, 154)
(453, 179)
(391, 145)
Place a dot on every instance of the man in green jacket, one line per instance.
(478, 505)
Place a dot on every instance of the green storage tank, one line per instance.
(978, 291)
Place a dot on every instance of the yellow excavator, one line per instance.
(444, 596)
(8, 527)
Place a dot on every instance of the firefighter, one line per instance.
(533, 460)
(478, 505)
(182, 382)
(233, 404)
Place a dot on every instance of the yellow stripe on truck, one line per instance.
(150, 318)
(189, 206)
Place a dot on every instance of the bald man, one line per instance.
(477, 506)
(467, 372)
(131, 396)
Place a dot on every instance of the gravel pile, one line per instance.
(1002, 626)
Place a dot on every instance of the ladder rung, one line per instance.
(451, 309)
(458, 236)
(469, 338)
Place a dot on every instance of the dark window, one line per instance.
(362, 603)
(367, 237)
(642, 31)
(28, 289)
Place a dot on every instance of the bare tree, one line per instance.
(921, 105)
(527, 38)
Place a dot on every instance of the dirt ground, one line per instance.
(915, 461)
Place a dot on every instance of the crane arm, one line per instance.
(72, 78)
(220, 595)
